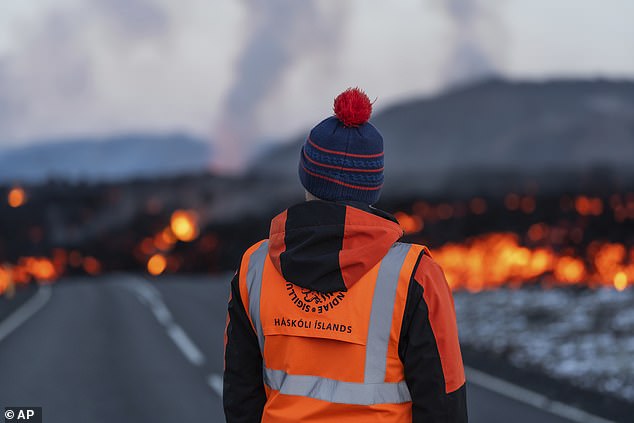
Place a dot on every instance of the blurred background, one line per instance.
(145, 144)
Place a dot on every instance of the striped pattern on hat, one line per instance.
(340, 162)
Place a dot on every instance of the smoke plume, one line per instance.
(282, 33)
(477, 41)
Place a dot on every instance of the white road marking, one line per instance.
(150, 296)
(534, 399)
(25, 311)
(215, 382)
(187, 347)
(161, 313)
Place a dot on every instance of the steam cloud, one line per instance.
(282, 33)
(104, 66)
(478, 41)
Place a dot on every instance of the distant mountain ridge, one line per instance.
(495, 128)
(488, 135)
(117, 157)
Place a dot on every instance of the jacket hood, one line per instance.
(327, 247)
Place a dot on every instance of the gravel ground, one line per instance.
(583, 337)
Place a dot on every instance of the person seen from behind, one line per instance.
(332, 319)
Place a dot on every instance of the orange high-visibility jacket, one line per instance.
(332, 319)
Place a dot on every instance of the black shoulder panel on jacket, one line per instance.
(243, 387)
(419, 354)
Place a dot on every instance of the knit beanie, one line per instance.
(342, 159)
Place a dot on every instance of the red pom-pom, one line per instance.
(353, 107)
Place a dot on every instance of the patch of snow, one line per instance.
(585, 337)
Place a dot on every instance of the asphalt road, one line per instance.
(123, 349)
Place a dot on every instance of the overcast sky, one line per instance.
(256, 71)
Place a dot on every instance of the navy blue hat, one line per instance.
(342, 159)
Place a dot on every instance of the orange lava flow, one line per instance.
(40, 269)
(184, 225)
(16, 197)
(156, 264)
(552, 254)
(409, 224)
(5, 279)
(492, 260)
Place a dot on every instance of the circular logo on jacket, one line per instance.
(311, 301)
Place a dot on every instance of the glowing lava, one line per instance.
(156, 264)
(184, 225)
(16, 197)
